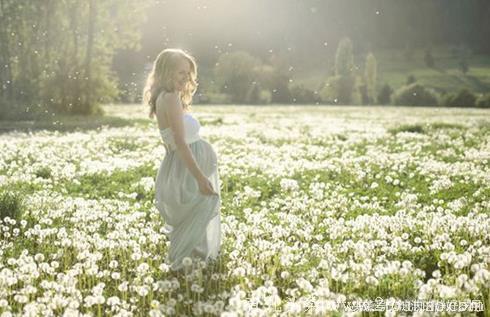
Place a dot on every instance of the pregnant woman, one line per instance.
(187, 186)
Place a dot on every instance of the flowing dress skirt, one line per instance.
(192, 219)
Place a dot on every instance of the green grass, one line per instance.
(67, 123)
(105, 185)
(11, 205)
(413, 128)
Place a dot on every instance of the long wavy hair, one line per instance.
(161, 78)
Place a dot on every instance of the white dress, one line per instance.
(192, 219)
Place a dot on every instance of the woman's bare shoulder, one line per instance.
(165, 95)
(167, 98)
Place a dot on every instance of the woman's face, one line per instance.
(182, 74)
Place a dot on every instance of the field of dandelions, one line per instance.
(321, 205)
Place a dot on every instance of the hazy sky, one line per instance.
(304, 32)
(305, 28)
(211, 27)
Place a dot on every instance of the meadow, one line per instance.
(321, 205)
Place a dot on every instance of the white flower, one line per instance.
(436, 274)
(289, 184)
(239, 271)
(372, 280)
(142, 268)
(304, 284)
(135, 256)
(123, 287)
(113, 301)
(99, 299)
(187, 261)
(164, 267)
(143, 290)
(21, 298)
(164, 285)
(155, 313)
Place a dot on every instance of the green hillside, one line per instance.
(394, 68)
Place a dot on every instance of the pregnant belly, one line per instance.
(210, 161)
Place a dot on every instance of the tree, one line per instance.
(363, 91)
(253, 95)
(411, 79)
(344, 58)
(370, 75)
(415, 95)
(274, 79)
(429, 59)
(384, 95)
(60, 57)
(339, 88)
(463, 98)
(235, 73)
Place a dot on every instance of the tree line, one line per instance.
(239, 77)
(56, 56)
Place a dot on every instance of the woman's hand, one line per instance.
(205, 187)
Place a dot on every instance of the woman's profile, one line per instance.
(187, 185)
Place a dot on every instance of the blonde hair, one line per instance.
(160, 78)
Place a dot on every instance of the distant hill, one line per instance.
(394, 68)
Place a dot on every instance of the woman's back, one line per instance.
(191, 132)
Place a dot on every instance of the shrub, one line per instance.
(413, 128)
(276, 81)
(415, 95)
(10, 110)
(43, 172)
(339, 90)
(219, 98)
(483, 101)
(411, 79)
(363, 91)
(300, 94)
(464, 98)
(253, 94)
(265, 96)
(463, 66)
(256, 95)
(279, 88)
(202, 98)
(384, 95)
(328, 90)
(429, 59)
(11, 205)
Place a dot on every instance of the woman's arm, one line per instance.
(172, 104)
